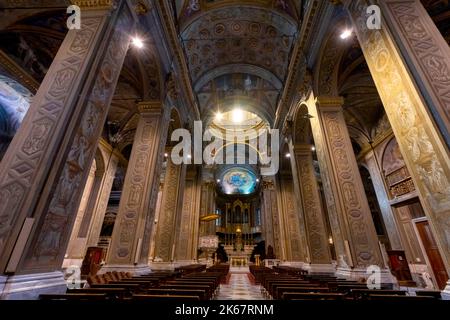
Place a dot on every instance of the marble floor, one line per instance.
(240, 287)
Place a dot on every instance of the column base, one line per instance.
(294, 264)
(72, 262)
(446, 292)
(138, 270)
(30, 286)
(361, 275)
(320, 268)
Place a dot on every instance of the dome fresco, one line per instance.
(238, 181)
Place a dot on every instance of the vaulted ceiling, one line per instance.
(238, 52)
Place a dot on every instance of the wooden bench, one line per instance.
(208, 290)
(365, 293)
(146, 297)
(312, 296)
(74, 296)
(429, 293)
(384, 297)
(111, 293)
(281, 291)
(201, 294)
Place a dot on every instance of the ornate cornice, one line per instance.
(150, 107)
(165, 13)
(94, 4)
(298, 64)
(330, 101)
(18, 73)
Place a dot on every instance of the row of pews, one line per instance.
(190, 283)
(287, 283)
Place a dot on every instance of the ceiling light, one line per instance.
(189, 156)
(313, 148)
(257, 180)
(137, 42)
(288, 155)
(219, 116)
(346, 33)
(238, 115)
(218, 180)
(166, 155)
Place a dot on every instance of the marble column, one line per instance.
(271, 217)
(44, 171)
(207, 207)
(381, 192)
(169, 218)
(410, 64)
(294, 228)
(128, 250)
(187, 237)
(357, 231)
(316, 231)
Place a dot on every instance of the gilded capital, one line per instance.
(303, 149)
(330, 101)
(93, 4)
(150, 107)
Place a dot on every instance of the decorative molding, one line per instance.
(18, 73)
(94, 4)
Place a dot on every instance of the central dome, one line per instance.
(238, 180)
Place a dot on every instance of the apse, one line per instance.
(238, 181)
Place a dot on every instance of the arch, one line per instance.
(251, 105)
(265, 14)
(331, 53)
(301, 129)
(101, 165)
(238, 68)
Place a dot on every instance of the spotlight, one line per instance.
(137, 42)
(346, 34)
(257, 180)
(218, 180)
(313, 148)
(166, 155)
(189, 156)
(288, 155)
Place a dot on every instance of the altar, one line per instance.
(239, 258)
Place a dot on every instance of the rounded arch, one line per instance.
(251, 105)
(100, 162)
(238, 68)
(331, 53)
(301, 127)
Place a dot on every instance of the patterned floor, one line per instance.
(239, 287)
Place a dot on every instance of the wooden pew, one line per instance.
(74, 296)
(378, 297)
(208, 290)
(111, 293)
(281, 291)
(312, 296)
(274, 285)
(201, 294)
(429, 293)
(149, 297)
(358, 294)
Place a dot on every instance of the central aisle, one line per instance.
(240, 287)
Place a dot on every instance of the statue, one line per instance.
(270, 253)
